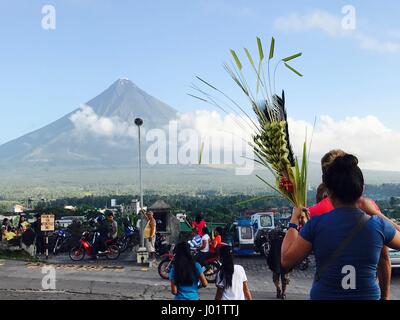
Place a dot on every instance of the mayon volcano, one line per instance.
(101, 132)
(96, 145)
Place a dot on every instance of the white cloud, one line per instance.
(331, 25)
(211, 124)
(321, 20)
(376, 146)
(86, 120)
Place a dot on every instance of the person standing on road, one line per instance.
(231, 279)
(39, 234)
(186, 274)
(279, 274)
(150, 235)
(347, 242)
(324, 205)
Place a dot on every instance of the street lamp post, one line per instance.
(139, 123)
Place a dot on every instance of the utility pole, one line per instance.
(139, 123)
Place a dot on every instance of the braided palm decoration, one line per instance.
(270, 129)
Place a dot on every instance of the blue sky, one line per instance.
(162, 45)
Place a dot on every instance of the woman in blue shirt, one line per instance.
(185, 274)
(351, 272)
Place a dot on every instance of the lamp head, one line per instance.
(139, 122)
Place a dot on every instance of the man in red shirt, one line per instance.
(324, 204)
(369, 206)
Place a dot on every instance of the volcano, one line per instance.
(100, 133)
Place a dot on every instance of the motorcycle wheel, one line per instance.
(77, 254)
(164, 268)
(113, 252)
(123, 245)
(211, 272)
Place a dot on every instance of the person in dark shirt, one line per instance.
(100, 242)
(279, 274)
(346, 267)
(39, 234)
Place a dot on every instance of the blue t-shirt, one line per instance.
(326, 232)
(186, 292)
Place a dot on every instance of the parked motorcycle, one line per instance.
(111, 252)
(210, 272)
(61, 242)
(161, 245)
(130, 238)
(264, 244)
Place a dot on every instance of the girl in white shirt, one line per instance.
(231, 279)
(204, 250)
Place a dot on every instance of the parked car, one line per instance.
(394, 256)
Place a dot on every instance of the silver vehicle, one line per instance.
(394, 256)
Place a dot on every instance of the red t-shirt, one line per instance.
(325, 206)
(216, 242)
(199, 227)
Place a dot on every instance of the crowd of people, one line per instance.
(27, 233)
(347, 233)
(22, 231)
(188, 275)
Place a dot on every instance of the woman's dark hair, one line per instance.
(20, 220)
(184, 265)
(344, 179)
(199, 217)
(219, 230)
(5, 221)
(321, 193)
(206, 231)
(227, 266)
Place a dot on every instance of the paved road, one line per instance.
(125, 280)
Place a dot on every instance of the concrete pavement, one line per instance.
(95, 280)
(122, 279)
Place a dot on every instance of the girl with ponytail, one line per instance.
(231, 279)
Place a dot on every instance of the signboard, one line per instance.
(113, 203)
(47, 221)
